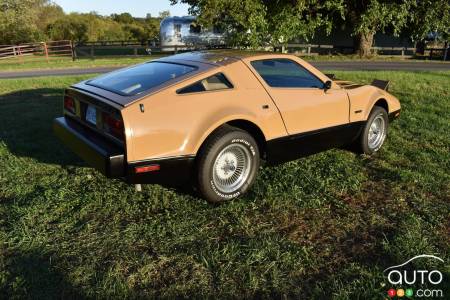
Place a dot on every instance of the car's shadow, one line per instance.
(26, 126)
(35, 276)
(26, 119)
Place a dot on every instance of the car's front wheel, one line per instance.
(227, 164)
(375, 131)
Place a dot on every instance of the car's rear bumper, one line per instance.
(110, 159)
(96, 150)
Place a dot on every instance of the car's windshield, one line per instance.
(135, 80)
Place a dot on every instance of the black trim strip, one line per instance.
(303, 144)
(173, 170)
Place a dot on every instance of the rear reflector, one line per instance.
(145, 169)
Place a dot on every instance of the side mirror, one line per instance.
(327, 85)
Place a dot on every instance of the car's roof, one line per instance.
(203, 60)
(216, 57)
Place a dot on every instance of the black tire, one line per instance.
(209, 167)
(363, 143)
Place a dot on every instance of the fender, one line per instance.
(363, 98)
(377, 95)
(222, 118)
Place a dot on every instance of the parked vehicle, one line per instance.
(211, 117)
(183, 31)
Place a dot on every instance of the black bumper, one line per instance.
(97, 151)
(109, 159)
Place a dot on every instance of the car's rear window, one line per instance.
(135, 80)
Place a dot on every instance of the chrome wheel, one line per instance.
(232, 168)
(377, 132)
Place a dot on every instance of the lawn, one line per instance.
(321, 227)
(65, 63)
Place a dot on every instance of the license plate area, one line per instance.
(91, 115)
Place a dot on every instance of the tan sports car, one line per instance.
(210, 118)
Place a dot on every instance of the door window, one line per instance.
(285, 73)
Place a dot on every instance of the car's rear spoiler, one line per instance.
(381, 84)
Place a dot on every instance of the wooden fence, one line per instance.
(311, 49)
(37, 51)
(127, 48)
(65, 49)
(95, 50)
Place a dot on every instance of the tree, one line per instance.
(260, 22)
(164, 14)
(371, 16)
(124, 18)
(426, 17)
(152, 27)
(18, 21)
(48, 13)
(69, 28)
(137, 32)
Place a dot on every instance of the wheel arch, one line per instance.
(381, 102)
(378, 101)
(252, 128)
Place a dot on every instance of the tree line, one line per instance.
(23, 21)
(274, 22)
(251, 23)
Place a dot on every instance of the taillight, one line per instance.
(113, 125)
(69, 104)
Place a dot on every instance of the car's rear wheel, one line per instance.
(227, 164)
(375, 131)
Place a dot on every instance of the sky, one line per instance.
(137, 8)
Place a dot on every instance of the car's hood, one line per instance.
(347, 84)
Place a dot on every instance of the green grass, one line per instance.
(15, 65)
(321, 227)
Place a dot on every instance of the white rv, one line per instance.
(184, 33)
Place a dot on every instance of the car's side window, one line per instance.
(285, 73)
(212, 83)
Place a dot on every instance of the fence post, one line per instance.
(403, 52)
(72, 48)
(309, 50)
(176, 49)
(45, 51)
(92, 51)
(135, 50)
(446, 45)
(20, 54)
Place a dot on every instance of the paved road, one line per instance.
(322, 65)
